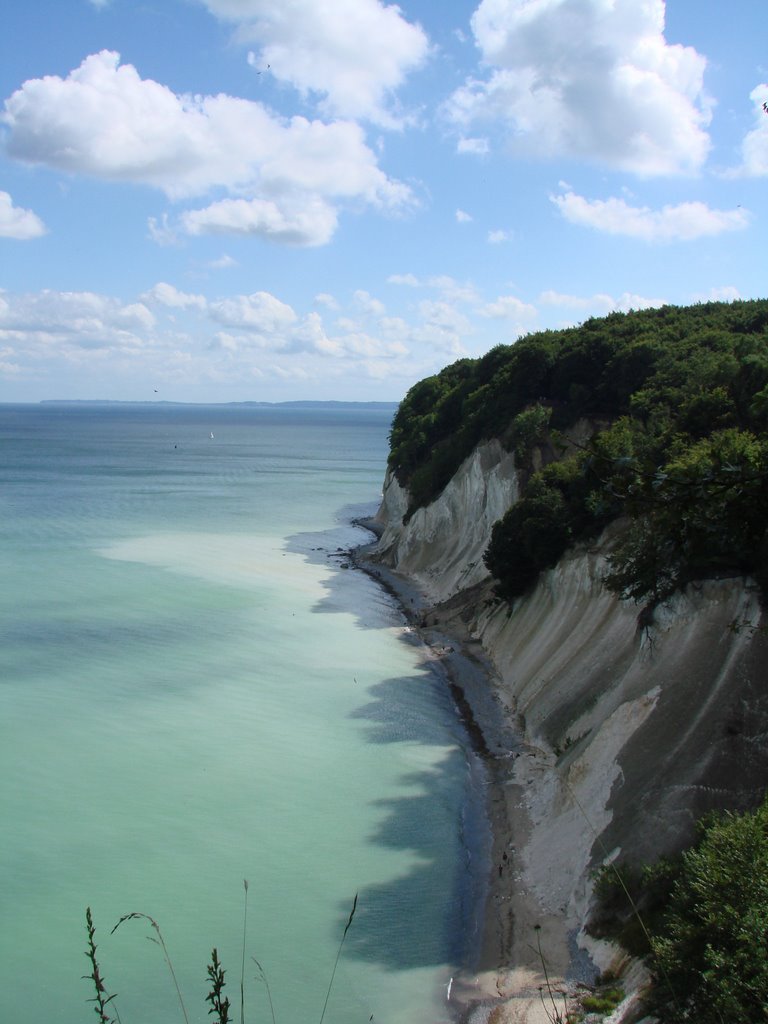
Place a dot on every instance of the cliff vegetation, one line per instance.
(676, 402)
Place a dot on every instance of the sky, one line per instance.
(274, 200)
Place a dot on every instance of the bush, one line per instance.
(703, 512)
(527, 429)
(602, 1002)
(532, 536)
(710, 956)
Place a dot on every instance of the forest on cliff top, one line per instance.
(676, 403)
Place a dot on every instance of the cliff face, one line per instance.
(629, 732)
(441, 547)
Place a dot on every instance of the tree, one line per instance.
(710, 957)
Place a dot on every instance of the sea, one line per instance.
(215, 731)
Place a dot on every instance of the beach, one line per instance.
(518, 958)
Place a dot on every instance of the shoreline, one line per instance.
(502, 977)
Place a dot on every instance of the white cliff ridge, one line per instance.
(441, 547)
(627, 732)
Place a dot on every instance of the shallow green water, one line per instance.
(194, 693)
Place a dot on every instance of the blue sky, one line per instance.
(229, 200)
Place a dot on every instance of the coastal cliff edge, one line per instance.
(607, 733)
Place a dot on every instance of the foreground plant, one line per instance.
(711, 955)
(338, 954)
(160, 941)
(101, 999)
(548, 1001)
(220, 1004)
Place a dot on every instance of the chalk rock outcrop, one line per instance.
(441, 546)
(630, 729)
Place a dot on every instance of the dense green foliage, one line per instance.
(700, 920)
(710, 958)
(677, 399)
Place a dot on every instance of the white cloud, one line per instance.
(684, 222)
(167, 295)
(135, 316)
(554, 298)
(76, 320)
(105, 121)
(599, 304)
(519, 317)
(588, 79)
(361, 345)
(426, 336)
(261, 313)
(96, 341)
(497, 236)
(225, 341)
(449, 287)
(445, 316)
(477, 147)
(223, 262)
(452, 289)
(369, 305)
(307, 223)
(723, 293)
(310, 336)
(353, 53)
(290, 373)
(324, 299)
(508, 307)
(16, 222)
(462, 217)
(443, 328)
(161, 231)
(345, 323)
(439, 328)
(628, 301)
(755, 146)
(287, 336)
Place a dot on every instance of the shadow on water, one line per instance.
(429, 916)
(421, 918)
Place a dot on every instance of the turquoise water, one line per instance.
(195, 692)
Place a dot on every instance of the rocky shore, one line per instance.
(509, 968)
(606, 735)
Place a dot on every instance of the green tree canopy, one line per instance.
(710, 953)
(677, 399)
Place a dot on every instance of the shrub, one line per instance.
(527, 429)
(603, 1002)
(532, 536)
(710, 955)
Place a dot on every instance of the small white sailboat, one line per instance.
(211, 435)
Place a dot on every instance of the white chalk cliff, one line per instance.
(441, 547)
(629, 731)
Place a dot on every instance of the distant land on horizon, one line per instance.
(305, 404)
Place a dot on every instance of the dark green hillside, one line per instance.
(678, 403)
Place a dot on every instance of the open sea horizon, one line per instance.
(196, 691)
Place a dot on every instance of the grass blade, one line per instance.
(242, 967)
(263, 977)
(161, 942)
(338, 954)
